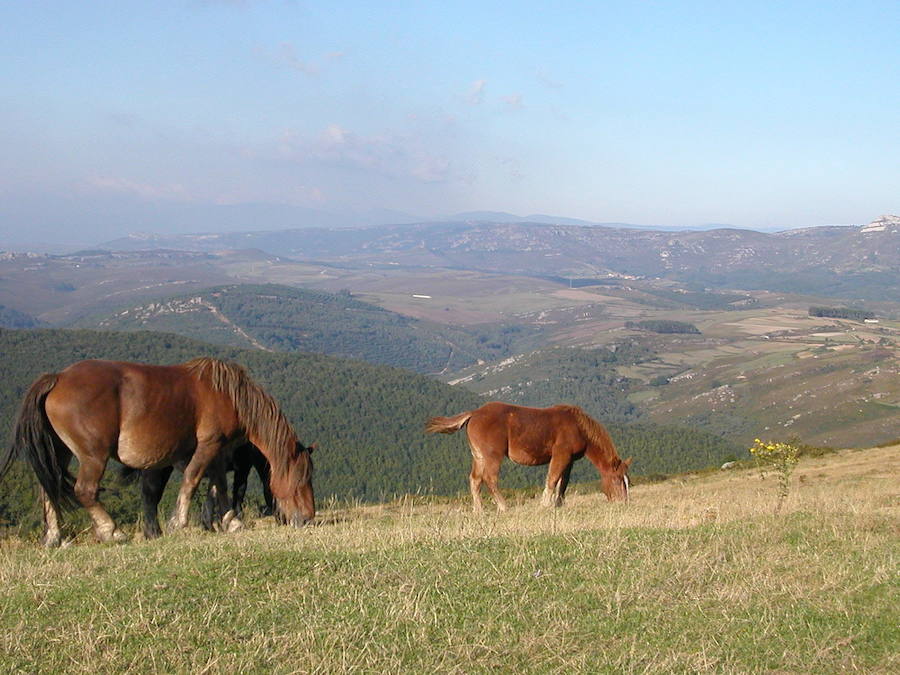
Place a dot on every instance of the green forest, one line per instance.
(663, 326)
(367, 420)
(842, 313)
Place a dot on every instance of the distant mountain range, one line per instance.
(842, 261)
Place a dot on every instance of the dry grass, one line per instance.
(696, 574)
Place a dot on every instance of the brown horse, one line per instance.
(148, 417)
(534, 436)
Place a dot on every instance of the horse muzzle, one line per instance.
(299, 520)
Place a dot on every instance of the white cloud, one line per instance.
(513, 101)
(396, 156)
(476, 92)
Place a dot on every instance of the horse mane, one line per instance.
(256, 410)
(595, 432)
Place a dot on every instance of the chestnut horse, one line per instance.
(148, 417)
(534, 436)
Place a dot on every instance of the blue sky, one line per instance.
(123, 116)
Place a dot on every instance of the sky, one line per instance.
(198, 115)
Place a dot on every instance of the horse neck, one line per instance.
(285, 469)
(602, 455)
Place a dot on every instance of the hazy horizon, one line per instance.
(205, 115)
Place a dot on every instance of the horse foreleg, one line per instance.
(239, 488)
(153, 484)
(557, 480)
(265, 477)
(563, 484)
(218, 477)
(193, 472)
(87, 485)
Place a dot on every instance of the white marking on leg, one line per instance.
(547, 497)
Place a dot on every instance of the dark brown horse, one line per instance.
(242, 459)
(533, 436)
(148, 417)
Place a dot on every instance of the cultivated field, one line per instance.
(696, 574)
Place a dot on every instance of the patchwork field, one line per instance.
(760, 364)
(696, 574)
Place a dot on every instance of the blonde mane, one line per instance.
(595, 432)
(257, 412)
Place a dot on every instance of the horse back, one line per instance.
(527, 435)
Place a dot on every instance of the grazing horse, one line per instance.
(244, 458)
(149, 417)
(534, 436)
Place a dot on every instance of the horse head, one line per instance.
(297, 506)
(614, 481)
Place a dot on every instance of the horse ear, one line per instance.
(627, 462)
(314, 446)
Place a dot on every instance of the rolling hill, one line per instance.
(279, 318)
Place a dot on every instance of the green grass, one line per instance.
(696, 574)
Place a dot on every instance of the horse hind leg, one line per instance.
(475, 479)
(491, 477)
(52, 532)
(87, 486)
(53, 536)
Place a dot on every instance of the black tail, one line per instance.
(35, 441)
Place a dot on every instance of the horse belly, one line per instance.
(529, 456)
(147, 452)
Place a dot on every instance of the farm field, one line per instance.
(696, 574)
(769, 369)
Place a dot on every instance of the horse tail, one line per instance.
(35, 441)
(447, 425)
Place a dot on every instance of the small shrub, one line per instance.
(782, 457)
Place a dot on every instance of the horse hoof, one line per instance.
(54, 541)
(114, 537)
(231, 522)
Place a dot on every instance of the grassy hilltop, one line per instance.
(696, 574)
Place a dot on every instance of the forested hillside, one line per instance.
(11, 318)
(366, 419)
(289, 319)
(585, 377)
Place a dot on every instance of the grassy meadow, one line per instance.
(698, 573)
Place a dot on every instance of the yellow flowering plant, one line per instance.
(782, 457)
